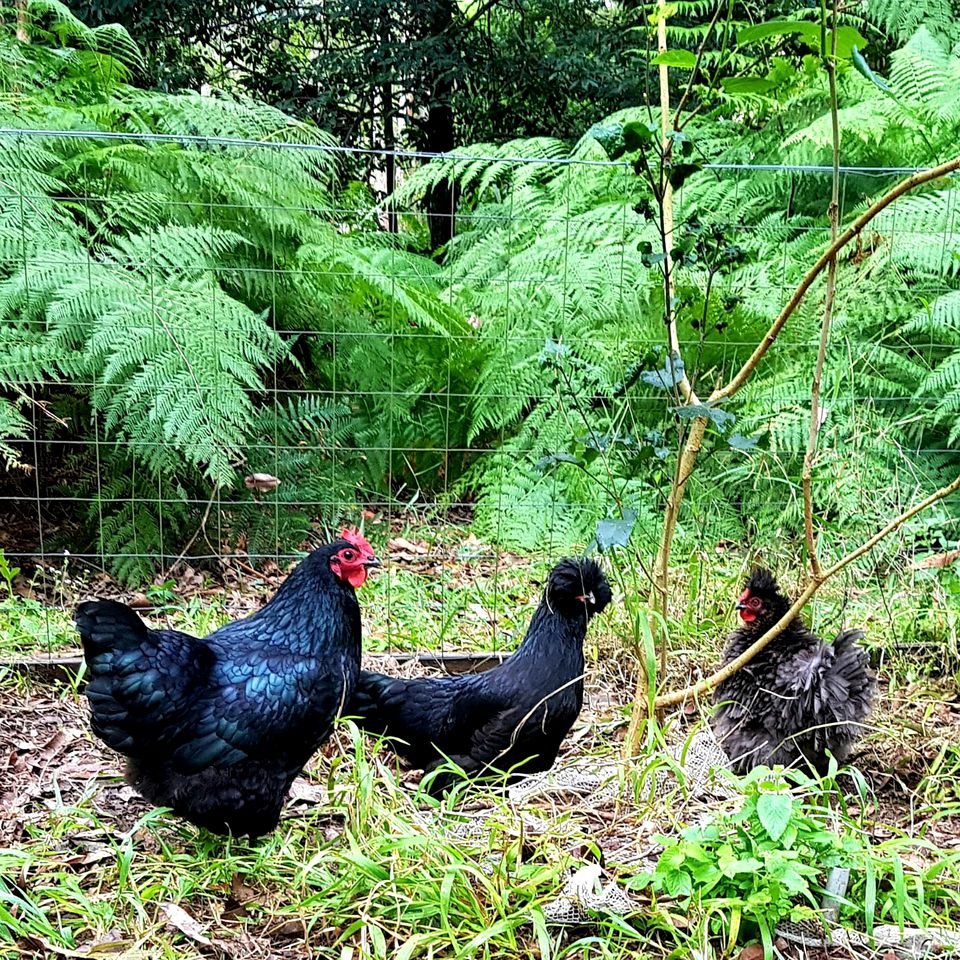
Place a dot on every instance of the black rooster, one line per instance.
(513, 716)
(217, 729)
(799, 697)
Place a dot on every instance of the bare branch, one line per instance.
(696, 66)
(833, 214)
(855, 228)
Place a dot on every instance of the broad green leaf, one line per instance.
(809, 33)
(553, 351)
(677, 883)
(680, 172)
(722, 418)
(610, 137)
(615, 533)
(773, 28)
(847, 39)
(863, 68)
(774, 810)
(743, 85)
(553, 458)
(637, 135)
(666, 378)
(740, 442)
(684, 59)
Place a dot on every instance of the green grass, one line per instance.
(461, 594)
(29, 628)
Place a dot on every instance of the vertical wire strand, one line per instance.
(498, 454)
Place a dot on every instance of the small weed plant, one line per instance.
(765, 860)
(757, 865)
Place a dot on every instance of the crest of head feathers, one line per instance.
(762, 583)
(357, 539)
(573, 582)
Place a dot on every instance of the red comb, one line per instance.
(357, 539)
(744, 595)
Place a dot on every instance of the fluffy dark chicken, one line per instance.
(513, 716)
(217, 729)
(799, 697)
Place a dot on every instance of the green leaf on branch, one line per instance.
(668, 377)
(863, 68)
(615, 533)
(552, 351)
(774, 811)
(553, 458)
(680, 172)
(743, 85)
(740, 442)
(722, 418)
(684, 59)
(638, 135)
(808, 33)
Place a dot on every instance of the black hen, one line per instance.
(513, 716)
(799, 697)
(218, 728)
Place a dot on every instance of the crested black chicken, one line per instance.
(799, 697)
(512, 718)
(218, 728)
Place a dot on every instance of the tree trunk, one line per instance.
(389, 160)
(440, 129)
(21, 20)
(441, 200)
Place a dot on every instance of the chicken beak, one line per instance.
(372, 562)
(587, 598)
(739, 606)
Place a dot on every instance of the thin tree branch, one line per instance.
(855, 228)
(481, 12)
(696, 66)
(666, 206)
(692, 450)
(833, 214)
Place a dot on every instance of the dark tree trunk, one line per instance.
(389, 160)
(441, 201)
(440, 130)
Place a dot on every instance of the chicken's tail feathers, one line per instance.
(848, 638)
(106, 626)
(140, 680)
(852, 663)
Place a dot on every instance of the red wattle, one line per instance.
(356, 577)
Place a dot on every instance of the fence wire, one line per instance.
(477, 414)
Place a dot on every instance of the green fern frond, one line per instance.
(13, 426)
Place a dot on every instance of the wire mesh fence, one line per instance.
(217, 351)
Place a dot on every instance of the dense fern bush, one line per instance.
(205, 304)
(185, 313)
(549, 260)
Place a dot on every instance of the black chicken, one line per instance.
(217, 729)
(799, 697)
(513, 716)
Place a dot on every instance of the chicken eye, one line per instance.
(755, 602)
(348, 555)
